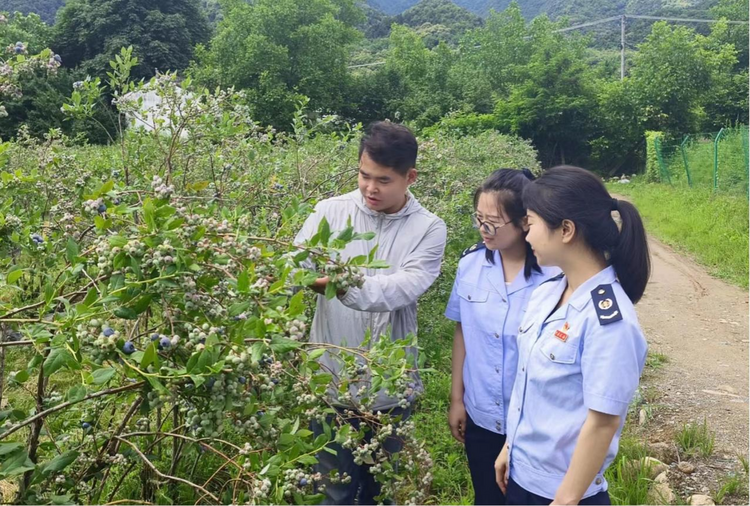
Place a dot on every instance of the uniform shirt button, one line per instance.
(552, 356)
(469, 297)
(497, 369)
(598, 481)
(497, 335)
(523, 369)
(497, 403)
(520, 330)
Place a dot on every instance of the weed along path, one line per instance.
(697, 328)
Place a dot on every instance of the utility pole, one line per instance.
(622, 47)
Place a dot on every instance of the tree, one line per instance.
(498, 52)
(278, 49)
(553, 104)
(672, 73)
(28, 29)
(46, 9)
(733, 10)
(163, 33)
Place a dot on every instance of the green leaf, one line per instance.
(126, 313)
(17, 463)
(118, 240)
(142, 304)
(243, 282)
(57, 359)
(283, 345)
(297, 304)
(76, 393)
(316, 354)
(71, 250)
(148, 214)
(106, 188)
(150, 356)
(101, 223)
(91, 296)
(101, 376)
(6, 448)
(346, 234)
(330, 290)
(59, 463)
(324, 232)
(13, 275)
(62, 499)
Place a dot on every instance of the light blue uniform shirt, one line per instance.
(490, 312)
(570, 361)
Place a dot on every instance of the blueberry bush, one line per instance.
(154, 342)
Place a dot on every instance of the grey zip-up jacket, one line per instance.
(412, 242)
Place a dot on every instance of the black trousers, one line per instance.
(518, 495)
(482, 448)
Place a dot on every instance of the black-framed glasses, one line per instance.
(487, 227)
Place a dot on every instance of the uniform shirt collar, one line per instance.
(496, 276)
(582, 294)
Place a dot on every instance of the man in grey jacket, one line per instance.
(411, 240)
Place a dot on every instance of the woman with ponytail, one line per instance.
(581, 350)
(494, 282)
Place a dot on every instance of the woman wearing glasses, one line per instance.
(493, 284)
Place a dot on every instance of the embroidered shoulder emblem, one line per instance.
(474, 247)
(605, 304)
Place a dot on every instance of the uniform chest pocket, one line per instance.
(558, 351)
(471, 293)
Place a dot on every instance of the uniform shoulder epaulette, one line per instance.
(605, 304)
(474, 247)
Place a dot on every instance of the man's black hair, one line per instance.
(390, 145)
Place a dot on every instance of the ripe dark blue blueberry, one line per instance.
(116, 202)
(108, 332)
(154, 337)
(303, 482)
(86, 425)
(128, 347)
(58, 59)
(165, 342)
(242, 379)
(102, 208)
(37, 238)
(210, 383)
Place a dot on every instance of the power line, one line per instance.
(686, 20)
(621, 19)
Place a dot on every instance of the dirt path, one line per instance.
(701, 325)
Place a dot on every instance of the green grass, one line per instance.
(656, 360)
(733, 485)
(710, 227)
(699, 151)
(451, 479)
(629, 484)
(696, 439)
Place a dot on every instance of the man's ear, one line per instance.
(568, 229)
(525, 223)
(411, 176)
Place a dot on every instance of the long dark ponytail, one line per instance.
(575, 194)
(508, 185)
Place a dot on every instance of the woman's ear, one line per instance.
(568, 229)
